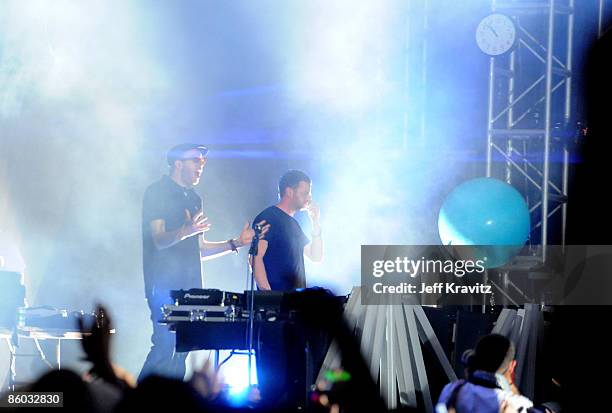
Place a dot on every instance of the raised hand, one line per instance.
(96, 344)
(247, 233)
(207, 381)
(195, 225)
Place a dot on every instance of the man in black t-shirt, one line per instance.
(173, 224)
(279, 264)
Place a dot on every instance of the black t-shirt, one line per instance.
(178, 266)
(284, 258)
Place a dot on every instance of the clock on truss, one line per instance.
(496, 34)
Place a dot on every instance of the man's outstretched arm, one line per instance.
(214, 249)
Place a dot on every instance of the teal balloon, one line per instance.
(488, 213)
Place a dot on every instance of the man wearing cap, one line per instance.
(173, 224)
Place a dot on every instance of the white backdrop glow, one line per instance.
(92, 93)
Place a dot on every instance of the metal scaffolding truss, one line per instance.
(530, 110)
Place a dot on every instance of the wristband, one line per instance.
(233, 245)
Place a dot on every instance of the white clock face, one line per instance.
(496, 34)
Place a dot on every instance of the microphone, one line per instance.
(255, 241)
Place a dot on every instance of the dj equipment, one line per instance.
(217, 320)
(46, 317)
(222, 321)
(176, 313)
(211, 305)
(200, 296)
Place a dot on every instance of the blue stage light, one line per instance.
(235, 373)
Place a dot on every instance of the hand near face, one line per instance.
(314, 213)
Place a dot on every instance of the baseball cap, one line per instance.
(178, 151)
